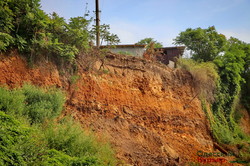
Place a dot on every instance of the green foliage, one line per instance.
(35, 103)
(77, 33)
(232, 59)
(231, 68)
(6, 17)
(58, 158)
(62, 143)
(11, 132)
(12, 102)
(21, 19)
(5, 41)
(40, 104)
(25, 26)
(205, 44)
(105, 35)
(68, 137)
(148, 41)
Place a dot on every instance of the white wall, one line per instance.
(135, 51)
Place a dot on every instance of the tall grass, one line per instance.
(204, 75)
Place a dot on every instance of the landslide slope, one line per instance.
(146, 110)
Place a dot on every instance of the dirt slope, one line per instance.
(143, 108)
(14, 72)
(140, 106)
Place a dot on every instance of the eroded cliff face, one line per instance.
(14, 71)
(146, 110)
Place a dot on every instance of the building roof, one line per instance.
(127, 46)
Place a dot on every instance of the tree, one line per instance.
(77, 33)
(149, 40)
(231, 67)
(245, 96)
(20, 20)
(232, 60)
(205, 44)
(105, 35)
(25, 26)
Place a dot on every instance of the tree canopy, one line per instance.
(205, 44)
(25, 26)
(150, 40)
(105, 35)
(232, 60)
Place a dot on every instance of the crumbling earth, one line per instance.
(145, 109)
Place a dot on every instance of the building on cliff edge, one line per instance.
(165, 55)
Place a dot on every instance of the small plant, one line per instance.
(105, 71)
(74, 79)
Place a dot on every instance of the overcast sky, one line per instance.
(163, 20)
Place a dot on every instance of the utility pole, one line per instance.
(97, 23)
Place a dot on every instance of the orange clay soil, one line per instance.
(145, 109)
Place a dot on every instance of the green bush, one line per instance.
(68, 137)
(42, 104)
(36, 103)
(62, 143)
(58, 158)
(11, 102)
(11, 132)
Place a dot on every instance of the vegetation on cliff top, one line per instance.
(229, 75)
(25, 26)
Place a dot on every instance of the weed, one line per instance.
(105, 71)
(74, 79)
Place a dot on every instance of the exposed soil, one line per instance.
(14, 71)
(146, 110)
(245, 121)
